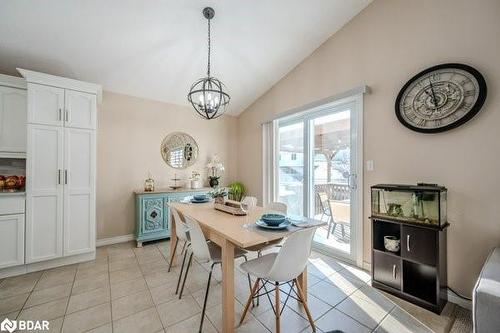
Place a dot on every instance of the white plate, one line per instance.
(283, 225)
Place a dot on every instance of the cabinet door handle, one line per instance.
(66, 177)
(67, 115)
(59, 176)
(408, 243)
(394, 272)
(60, 114)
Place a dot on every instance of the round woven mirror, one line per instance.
(179, 150)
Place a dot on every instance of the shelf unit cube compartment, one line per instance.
(381, 229)
(420, 280)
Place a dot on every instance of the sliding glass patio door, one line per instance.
(291, 168)
(318, 170)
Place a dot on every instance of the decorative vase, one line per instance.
(149, 184)
(214, 182)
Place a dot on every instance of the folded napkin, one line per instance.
(304, 222)
(300, 221)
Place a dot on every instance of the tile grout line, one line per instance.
(70, 293)
(378, 325)
(147, 287)
(110, 297)
(191, 295)
(31, 291)
(358, 320)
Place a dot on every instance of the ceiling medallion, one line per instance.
(207, 95)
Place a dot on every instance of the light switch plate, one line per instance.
(369, 165)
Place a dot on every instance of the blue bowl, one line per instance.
(273, 219)
(200, 197)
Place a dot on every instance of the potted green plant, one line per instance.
(236, 191)
(218, 194)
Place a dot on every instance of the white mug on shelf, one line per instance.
(196, 183)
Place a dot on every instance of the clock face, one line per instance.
(441, 98)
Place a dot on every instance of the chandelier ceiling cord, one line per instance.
(207, 95)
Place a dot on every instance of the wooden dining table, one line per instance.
(229, 232)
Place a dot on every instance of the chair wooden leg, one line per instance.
(259, 254)
(302, 300)
(250, 298)
(172, 256)
(277, 301)
(343, 230)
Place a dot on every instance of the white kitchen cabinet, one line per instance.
(11, 240)
(44, 193)
(12, 120)
(61, 167)
(45, 105)
(79, 191)
(80, 109)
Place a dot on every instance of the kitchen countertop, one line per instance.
(179, 190)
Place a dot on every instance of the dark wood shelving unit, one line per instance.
(417, 273)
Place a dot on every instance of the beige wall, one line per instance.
(386, 44)
(130, 131)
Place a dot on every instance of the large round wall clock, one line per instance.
(441, 98)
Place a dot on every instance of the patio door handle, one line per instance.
(351, 181)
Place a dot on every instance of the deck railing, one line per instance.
(334, 191)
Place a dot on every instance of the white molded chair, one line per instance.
(272, 207)
(340, 214)
(276, 206)
(206, 252)
(182, 232)
(279, 269)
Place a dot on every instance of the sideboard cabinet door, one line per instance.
(12, 120)
(44, 193)
(79, 194)
(45, 105)
(153, 209)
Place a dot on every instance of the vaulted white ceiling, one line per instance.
(156, 49)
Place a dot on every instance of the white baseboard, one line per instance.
(367, 266)
(43, 265)
(459, 301)
(115, 240)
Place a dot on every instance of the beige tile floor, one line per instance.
(128, 289)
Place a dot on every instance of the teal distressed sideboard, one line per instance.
(152, 212)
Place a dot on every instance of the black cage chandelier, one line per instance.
(206, 95)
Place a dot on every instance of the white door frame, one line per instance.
(306, 116)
